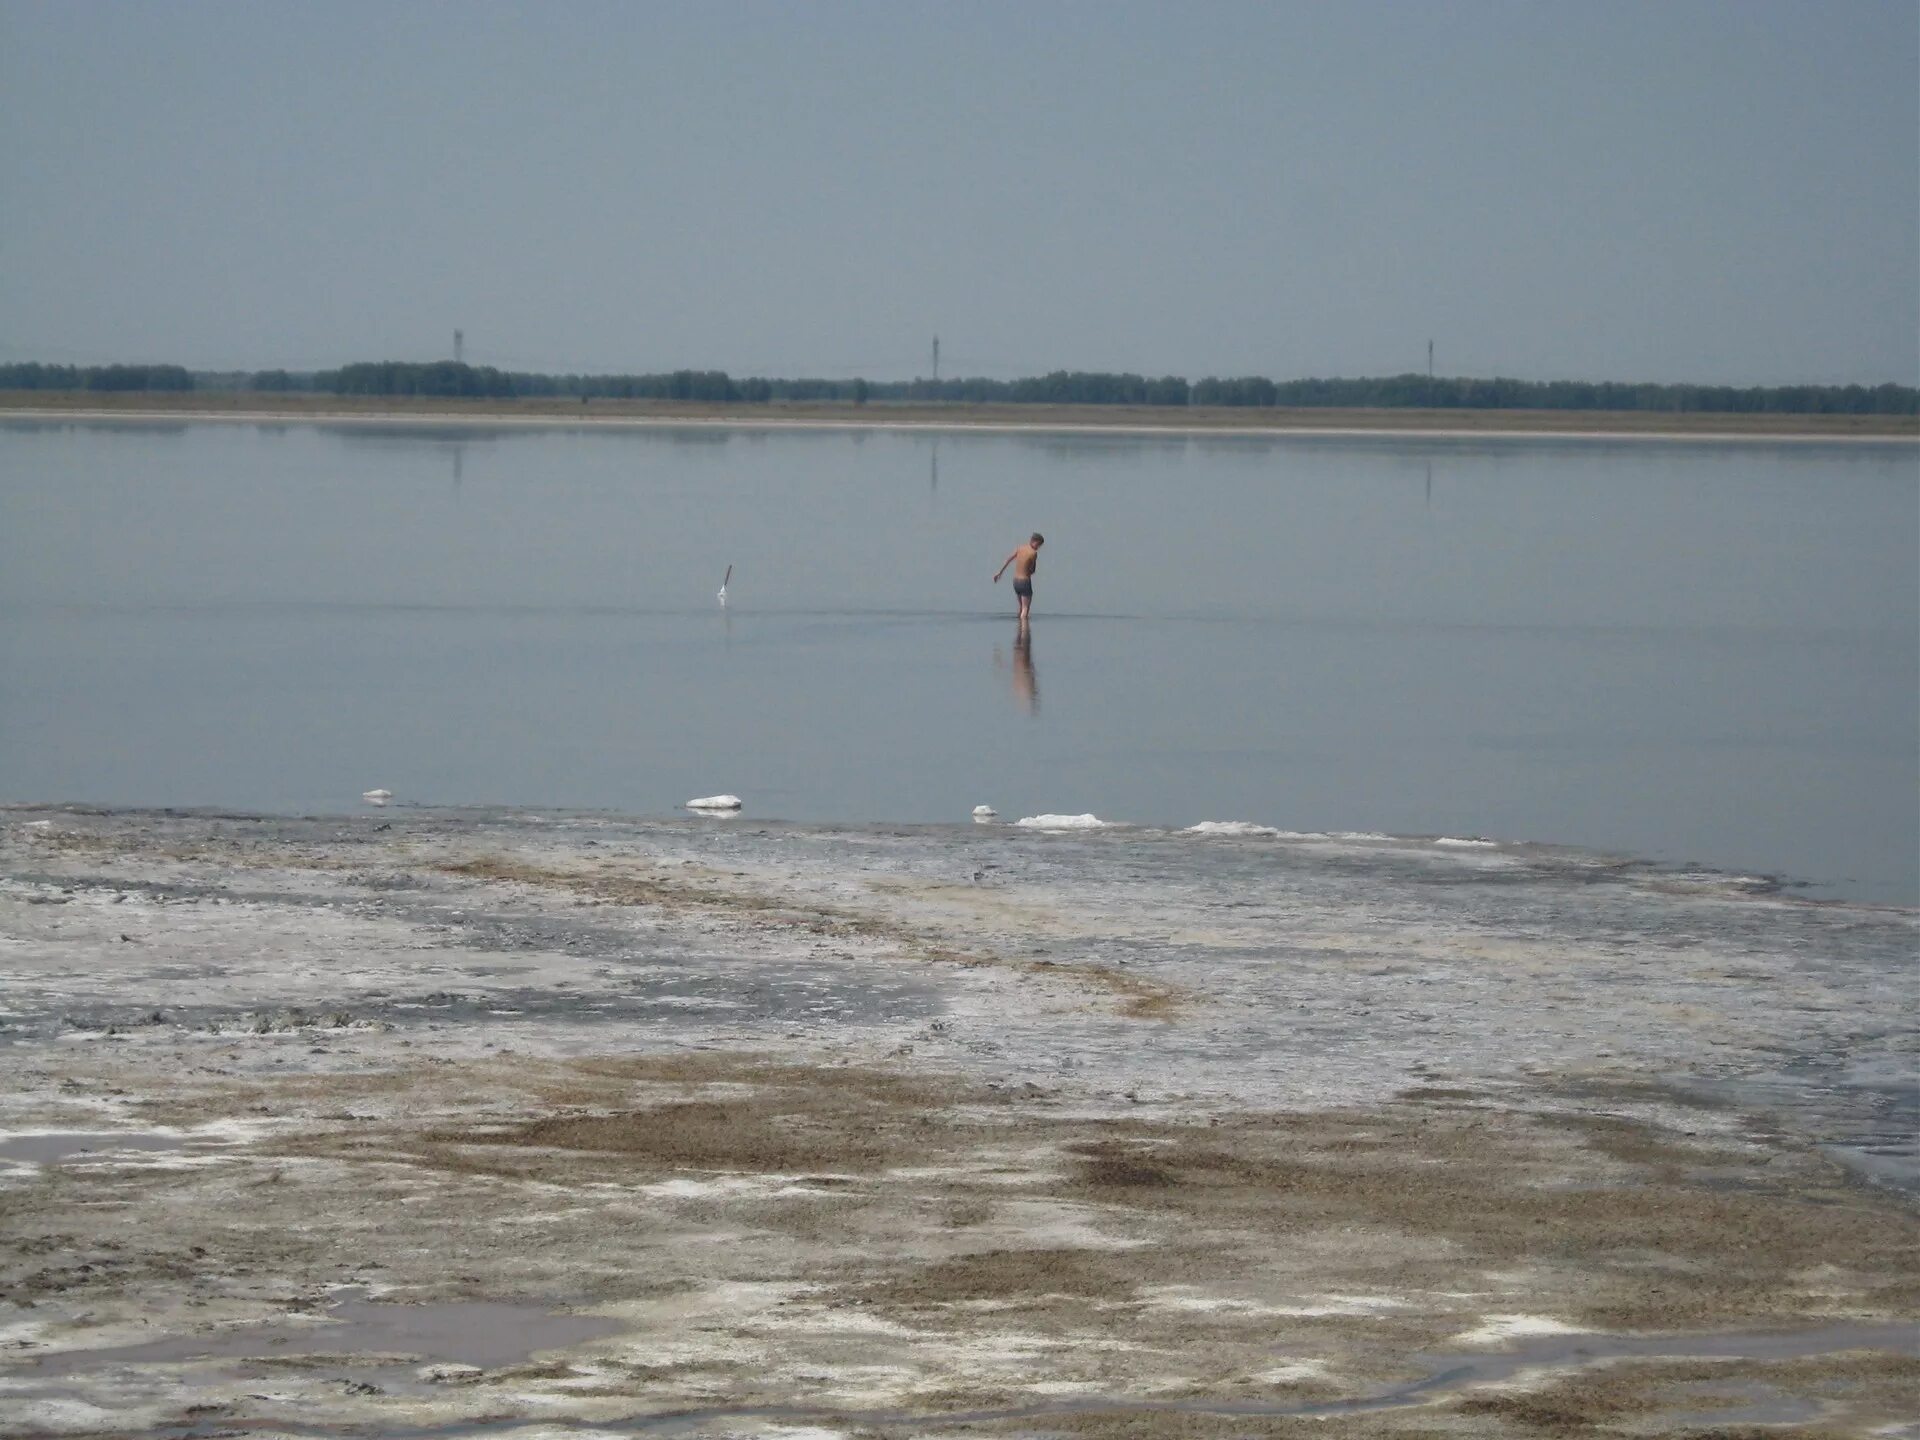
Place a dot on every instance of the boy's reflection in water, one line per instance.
(1026, 686)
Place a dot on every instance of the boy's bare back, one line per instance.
(1024, 560)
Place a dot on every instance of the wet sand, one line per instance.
(1119, 419)
(449, 1124)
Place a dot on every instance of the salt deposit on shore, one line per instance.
(888, 1125)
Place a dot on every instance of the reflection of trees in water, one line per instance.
(1097, 443)
(34, 425)
(1212, 445)
(142, 428)
(398, 435)
(697, 437)
(714, 440)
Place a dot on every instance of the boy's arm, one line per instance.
(1003, 567)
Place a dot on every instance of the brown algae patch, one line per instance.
(848, 1237)
(1390, 1202)
(703, 1135)
(1011, 1275)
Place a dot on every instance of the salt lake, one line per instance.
(1701, 653)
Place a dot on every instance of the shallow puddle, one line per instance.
(1748, 1403)
(484, 1333)
(54, 1146)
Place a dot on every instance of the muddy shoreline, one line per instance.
(447, 1124)
(160, 408)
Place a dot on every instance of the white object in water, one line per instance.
(715, 802)
(984, 812)
(1063, 822)
(1232, 827)
(726, 581)
(376, 797)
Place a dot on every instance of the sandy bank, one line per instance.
(425, 1123)
(1118, 419)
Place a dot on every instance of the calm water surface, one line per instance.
(1702, 653)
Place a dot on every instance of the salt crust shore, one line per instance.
(1072, 420)
(436, 1123)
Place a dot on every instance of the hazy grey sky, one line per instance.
(1663, 190)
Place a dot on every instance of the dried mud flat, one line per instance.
(448, 1125)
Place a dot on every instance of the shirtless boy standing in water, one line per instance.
(1024, 561)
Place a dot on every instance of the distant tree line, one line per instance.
(1449, 393)
(1081, 387)
(95, 377)
(449, 378)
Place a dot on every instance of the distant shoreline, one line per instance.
(149, 406)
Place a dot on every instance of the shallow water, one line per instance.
(1693, 652)
(53, 1147)
(483, 1333)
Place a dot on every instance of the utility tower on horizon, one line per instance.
(459, 347)
(936, 357)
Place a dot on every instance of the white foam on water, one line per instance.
(984, 812)
(686, 1188)
(1270, 832)
(715, 802)
(1496, 1329)
(1064, 822)
(1454, 842)
(1358, 1306)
